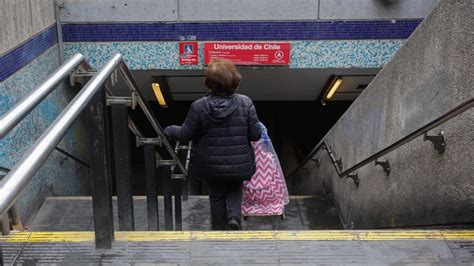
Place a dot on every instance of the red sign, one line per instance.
(188, 53)
(248, 53)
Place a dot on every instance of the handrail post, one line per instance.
(122, 166)
(180, 184)
(165, 172)
(150, 181)
(151, 188)
(100, 171)
(178, 192)
(15, 219)
(5, 224)
(187, 159)
(4, 221)
(178, 211)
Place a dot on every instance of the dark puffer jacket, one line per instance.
(221, 128)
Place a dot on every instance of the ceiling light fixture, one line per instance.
(337, 83)
(158, 94)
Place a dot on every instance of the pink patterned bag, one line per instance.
(266, 193)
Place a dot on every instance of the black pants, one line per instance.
(225, 198)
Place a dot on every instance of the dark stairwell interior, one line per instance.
(294, 127)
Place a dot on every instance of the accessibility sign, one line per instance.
(188, 53)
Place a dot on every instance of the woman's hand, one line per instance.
(172, 132)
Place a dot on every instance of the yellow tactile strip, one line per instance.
(321, 235)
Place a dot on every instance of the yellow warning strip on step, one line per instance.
(467, 235)
(309, 235)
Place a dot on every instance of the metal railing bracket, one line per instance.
(317, 161)
(165, 162)
(385, 165)
(178, 176)
(339, 163)
(119, 100)
(354, 177)
(134, 100)
(437, 140)
(155, 141)
(78, 76)
(128, 101)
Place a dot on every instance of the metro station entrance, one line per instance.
(290, 103)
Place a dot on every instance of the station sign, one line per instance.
(248, 53)
(188, 53)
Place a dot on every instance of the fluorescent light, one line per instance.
(334, 88)
(158, 94)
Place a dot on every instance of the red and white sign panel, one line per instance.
(188, 53)
(248, 53)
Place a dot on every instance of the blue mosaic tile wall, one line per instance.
(154, 36)
(304, 54)
(15, 59)
(58, 176)
(343, 53)
(310, 30)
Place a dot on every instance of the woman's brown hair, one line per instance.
(222, 77)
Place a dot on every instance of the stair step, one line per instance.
(245, 247)
(75, 214)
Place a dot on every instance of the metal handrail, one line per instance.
(23, 171)
(130, 81)
(132, 86)
(422, 130)
(21, 109)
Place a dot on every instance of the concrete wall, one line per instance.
(430, 74)
(192, 10)
(219, 10)
(375, 9)
(21, 19)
